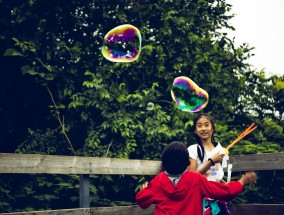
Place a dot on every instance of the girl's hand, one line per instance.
(217, 158)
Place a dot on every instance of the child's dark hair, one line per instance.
(175, 158)
(211, 119)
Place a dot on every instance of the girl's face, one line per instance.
(204, 128)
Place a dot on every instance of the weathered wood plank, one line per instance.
(55, 164)
(117, 210)
(76, 211)
(235, 209)
(123, 210)
(257, 209)
(266, 161)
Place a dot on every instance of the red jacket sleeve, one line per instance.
(145, 197)
(217, 190)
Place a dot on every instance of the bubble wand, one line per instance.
(242, 135)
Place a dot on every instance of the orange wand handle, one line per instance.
(242, 135)
(245, 131)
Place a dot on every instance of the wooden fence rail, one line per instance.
(84, 166)
(240, 209)
(55, 164)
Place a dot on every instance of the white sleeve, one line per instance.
(192, 150)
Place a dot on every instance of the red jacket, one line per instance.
(186, 197)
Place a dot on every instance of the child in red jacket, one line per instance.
(177, 191)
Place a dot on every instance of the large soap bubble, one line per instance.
(122, 44)
(188, 95)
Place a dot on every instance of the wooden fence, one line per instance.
(84, 166)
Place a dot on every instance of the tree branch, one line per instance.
(61, 122)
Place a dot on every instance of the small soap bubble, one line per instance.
(188, 95)
(122, 44)
(150, 106)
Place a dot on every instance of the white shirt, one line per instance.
(215, 173)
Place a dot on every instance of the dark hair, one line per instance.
(175, 158)
(211, 119)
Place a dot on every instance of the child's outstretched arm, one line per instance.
(226, 192)
(145, 196)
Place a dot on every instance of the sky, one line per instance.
(260, 23)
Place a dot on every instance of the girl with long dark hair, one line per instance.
(206, 158)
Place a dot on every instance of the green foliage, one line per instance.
(38, 192)
(266, 191)
(99, 108)
(42, 142)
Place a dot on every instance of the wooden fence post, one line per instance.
(84, 191)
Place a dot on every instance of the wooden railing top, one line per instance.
(56, 164)
(264, 161)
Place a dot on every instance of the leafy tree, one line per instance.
(89, 106)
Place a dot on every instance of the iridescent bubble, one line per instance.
(188, 95)
(122, 44)
(150, 106)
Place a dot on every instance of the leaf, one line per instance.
(13, 52)
(28, 70)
